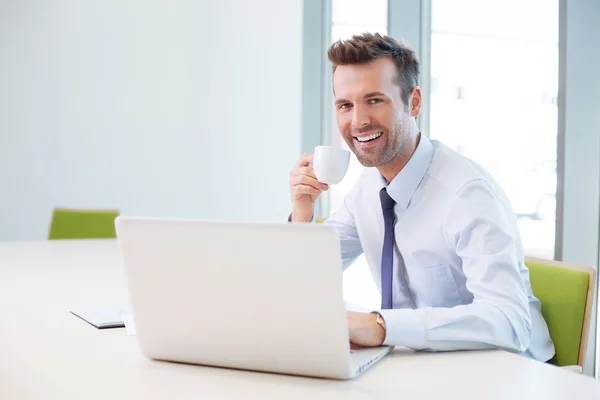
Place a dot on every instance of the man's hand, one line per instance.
(304, 189)
(364, 329)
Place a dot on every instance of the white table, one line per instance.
(45, 352)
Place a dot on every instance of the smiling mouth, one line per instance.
(366, 139)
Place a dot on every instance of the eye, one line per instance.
(345, 106)
(375, 101)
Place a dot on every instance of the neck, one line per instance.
(390, 170)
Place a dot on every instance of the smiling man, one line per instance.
(439, 234)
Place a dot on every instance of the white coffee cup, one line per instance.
(330, 164)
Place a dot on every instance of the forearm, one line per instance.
(480, 325)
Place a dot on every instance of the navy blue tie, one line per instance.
(387, 255)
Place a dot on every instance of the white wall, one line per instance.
(162, 108)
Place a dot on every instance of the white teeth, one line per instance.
(370, 137)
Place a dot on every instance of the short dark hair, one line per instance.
(367, 47)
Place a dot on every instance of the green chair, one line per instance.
(566, 292)
(82, 224)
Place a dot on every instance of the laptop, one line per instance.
(254, 296)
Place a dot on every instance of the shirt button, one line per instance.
(402, 288)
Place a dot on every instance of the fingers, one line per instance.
(308, 171)
(307, 181)
(300, 190)
(303, 180)
(305, 160)
(306, 175)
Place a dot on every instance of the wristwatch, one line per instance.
(379, 319)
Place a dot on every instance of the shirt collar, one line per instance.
(404, 185)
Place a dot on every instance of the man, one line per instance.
(438, 233)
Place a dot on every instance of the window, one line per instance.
(496, 84)
(351, 17)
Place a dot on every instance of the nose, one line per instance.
(359, 117)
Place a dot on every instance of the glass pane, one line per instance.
(347, 31)
(494, 84)
(351, 17)
(359, 12)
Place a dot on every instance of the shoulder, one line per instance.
(453, 172)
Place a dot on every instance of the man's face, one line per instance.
(369, 111)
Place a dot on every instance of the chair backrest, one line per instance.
(566, 292)
(82, 224)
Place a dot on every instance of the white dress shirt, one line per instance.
(458, 247)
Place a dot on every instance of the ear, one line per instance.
(415, 101)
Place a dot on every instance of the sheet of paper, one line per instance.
(129, 323)
(102, 318)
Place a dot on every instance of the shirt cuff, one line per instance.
(311, 221)
(404, 327)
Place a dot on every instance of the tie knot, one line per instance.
(386, 201)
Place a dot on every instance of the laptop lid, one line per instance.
(253, 296)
